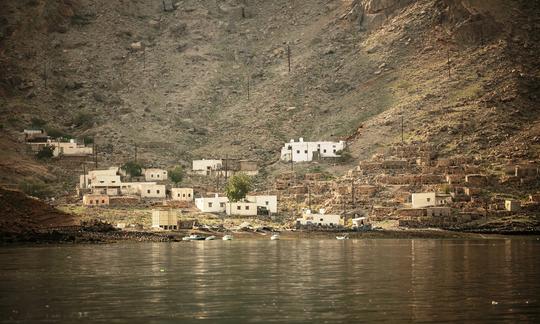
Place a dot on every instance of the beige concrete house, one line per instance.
(241, 208)
(426, 199)
(152, 190)
(70, 148)
(95, 200)
(165, 219)
(133, 188)
(155, 174)
(206, 167)
(182, 194)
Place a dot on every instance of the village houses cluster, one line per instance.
(37, 139)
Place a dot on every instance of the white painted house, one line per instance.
(154, 174)
(308, 151)
(214, 204)
(267, 201)
(320, 219)
(428, 199)
(206, 167)
(70, 148)
(182, 194)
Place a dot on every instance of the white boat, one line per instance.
(274, 237)
(193, 237)
(210, 238)
(342, 237)
(227, 237)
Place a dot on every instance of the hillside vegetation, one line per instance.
(211, 78)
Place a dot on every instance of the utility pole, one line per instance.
(402, 139)
(352, 193)
(289, 56)
(136, 153)
(462, 126)
(226, 166)
(144, 58)
(291, 159)
(45, 76)
(95, 155)
(309, 197)
(84, 174)
(248, 80)
(448, 54)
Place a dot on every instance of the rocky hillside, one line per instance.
(209, 78)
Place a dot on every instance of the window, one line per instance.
(113, 181)
(183, 195)
(428, 199)
(103, 201)
(178, 195)
(148, 191)
(321, 219)
(305, 151)
(151, 176)
(289, 148)
(324, 151)
(334, 150)
(247, 207)
(238, 207)
(298, 151)
(266, 203)
(91, 202)
(189, 195)
(221, 204)
(157, 175)
(101, 181)
(157, 191)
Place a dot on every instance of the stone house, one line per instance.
(411, 212)
(182, 194)
(476, 179)
(438, 211)
(95, 200)
(512, 205)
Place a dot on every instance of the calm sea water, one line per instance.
(274, 281)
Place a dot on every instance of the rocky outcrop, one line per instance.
(371, 14)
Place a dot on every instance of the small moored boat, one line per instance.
(342, 237)
(227, 237)
(274, 237)
(210, 238)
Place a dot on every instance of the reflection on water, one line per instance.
(281, 281)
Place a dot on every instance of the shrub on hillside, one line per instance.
(45, 152)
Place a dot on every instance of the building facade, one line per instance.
(320, 219)
(427, 199)
(241, 208)
(152, 190)
(165, 219)
(182, 194)
(308, 151)
(95, 200)
(214, 204)
(155, 174)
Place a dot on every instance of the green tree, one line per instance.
(132, 168)
(35, 188)
(177, 174)
(237, 187)
(46, 152)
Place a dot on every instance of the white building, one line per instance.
(320, 219)
(154, 174)
(152, 190)
(165, 219)
(133, 188)
(241, 208)
(267, 201)
(206, 167)
(182, 194)
(215, 204)
(307, 151)
(86, 180)
(428, 199)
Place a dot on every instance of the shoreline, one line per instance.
(109, 236)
